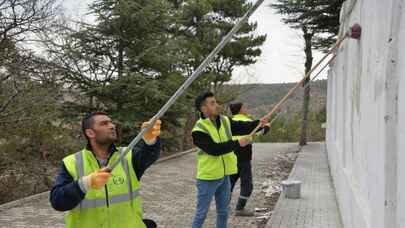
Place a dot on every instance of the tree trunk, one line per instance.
(188, 127)
(120, 67)
(120, 58)
(308, 65)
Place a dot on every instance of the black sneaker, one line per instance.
(244, 213)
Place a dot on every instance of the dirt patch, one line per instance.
(279, 170)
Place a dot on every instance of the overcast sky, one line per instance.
(282, 58)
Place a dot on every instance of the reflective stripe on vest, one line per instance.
(227, 128)
(79, 164)
(114, 199)
(124, 163)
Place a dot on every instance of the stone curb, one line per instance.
(176, 155)
(23, 201)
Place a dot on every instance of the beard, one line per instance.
(215, 113)
(107, 139)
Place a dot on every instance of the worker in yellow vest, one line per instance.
(94, 197)
(244, 155)
(212, 134)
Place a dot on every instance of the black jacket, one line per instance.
(205, 142)
(245, 153)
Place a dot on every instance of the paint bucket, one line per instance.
(291, 189)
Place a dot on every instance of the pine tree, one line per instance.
(139, 52)
(202, 26)
(319, 22)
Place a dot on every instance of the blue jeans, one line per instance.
(206, 190)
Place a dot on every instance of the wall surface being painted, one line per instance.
(366, 116)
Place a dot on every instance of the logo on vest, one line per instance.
(118, 180)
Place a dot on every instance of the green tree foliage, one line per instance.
(287, 128)
(139, 52)
(319, 22)
(201, 27)
(30, 101)
(320, 17)
(29, 86)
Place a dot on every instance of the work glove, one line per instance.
(95, 180)
(150, 136)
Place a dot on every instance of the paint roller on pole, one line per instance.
(354, 33)
(187, 83)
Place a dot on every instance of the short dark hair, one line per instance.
(199, 100)
(88, 121)
(235, 107)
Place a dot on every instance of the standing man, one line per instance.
(240, 113)
(212, 134)
(95, 197)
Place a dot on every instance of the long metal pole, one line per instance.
(188, 82)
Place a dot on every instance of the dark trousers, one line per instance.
(246, 183)
(149, 223)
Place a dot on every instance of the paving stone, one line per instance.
(168, 191)
(317, 207)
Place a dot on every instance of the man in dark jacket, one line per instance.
(244, 154)
(94, 196)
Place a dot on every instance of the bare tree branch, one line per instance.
(19, 18)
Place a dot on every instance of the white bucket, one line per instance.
(291, 189)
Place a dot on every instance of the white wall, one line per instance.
(366, 92)
(400, 72)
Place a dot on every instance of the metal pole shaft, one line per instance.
(188, 82)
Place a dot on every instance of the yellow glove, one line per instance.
(151, 135)
(95, 180)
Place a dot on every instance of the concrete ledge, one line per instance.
(176, 155)
(20, 202)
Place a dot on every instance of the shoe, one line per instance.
(244, 213)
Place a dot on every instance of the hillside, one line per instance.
(260, 98)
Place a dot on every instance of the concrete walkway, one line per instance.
(168, 191)
(317, 208)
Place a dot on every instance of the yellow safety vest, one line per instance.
(211, 167)
(243, 118)
(118, 205)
